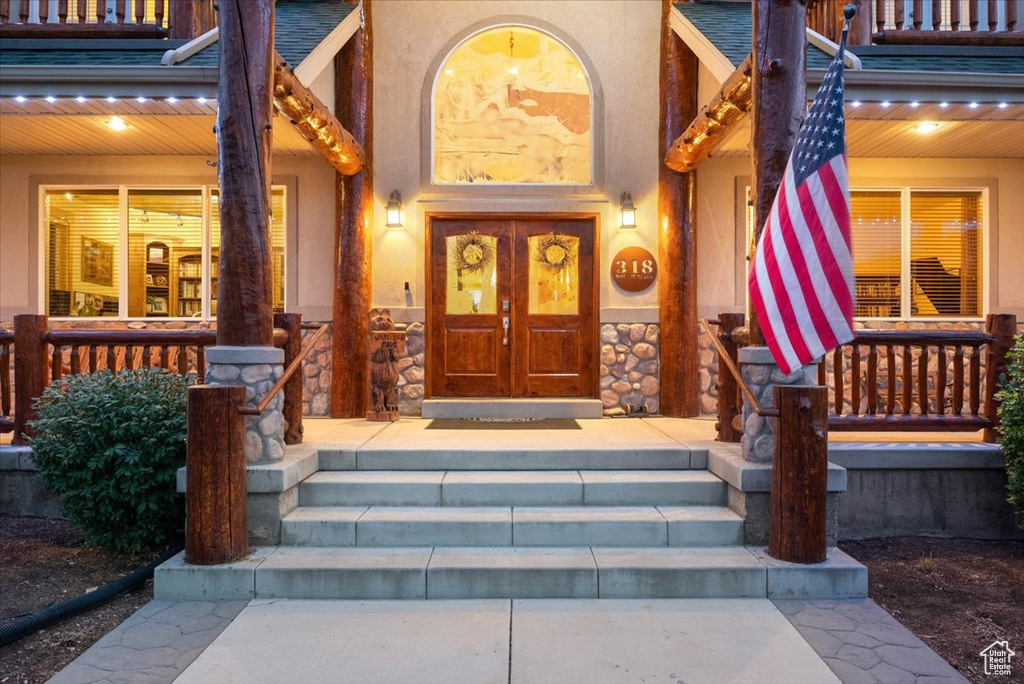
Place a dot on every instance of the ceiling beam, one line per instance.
(714, 122)
(314, 121)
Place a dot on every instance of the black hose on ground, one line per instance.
(29, 624)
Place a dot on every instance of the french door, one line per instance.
(511, 310)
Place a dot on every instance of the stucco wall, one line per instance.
(310, 209)
(406, 57)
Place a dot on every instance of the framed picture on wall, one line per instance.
(97, 262)
(86, 304)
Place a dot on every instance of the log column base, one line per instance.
(256, 369)
(762, 374)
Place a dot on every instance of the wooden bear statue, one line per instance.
(385, 346)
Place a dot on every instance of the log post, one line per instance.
(799, 475)
(29, 371)
(677, 281)
(216, 525)
(244, 135)
(779, 103)
(1002, 327)
(728, 389)
(353, 215)
(292, 324)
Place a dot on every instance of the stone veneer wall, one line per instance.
(630, 363)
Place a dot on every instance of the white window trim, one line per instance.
(905, 191)
(122, 236)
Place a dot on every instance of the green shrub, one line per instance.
(1011, 425)
(110, 444)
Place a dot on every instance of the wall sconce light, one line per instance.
(394, 210)
(627, 212)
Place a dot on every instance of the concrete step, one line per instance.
(510, 488)
(512, 408)
(511, 457)
(606, 526)
(521, 572)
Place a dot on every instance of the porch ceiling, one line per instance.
(159, 134)
(998, 135)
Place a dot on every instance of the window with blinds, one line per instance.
(142, 253)
(83, 245)
(917, 253)
(945, 254)
(876, 237)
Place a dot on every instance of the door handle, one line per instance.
(505, 323)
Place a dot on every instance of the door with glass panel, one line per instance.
(511, 308)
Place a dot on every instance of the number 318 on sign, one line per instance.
(634, 269)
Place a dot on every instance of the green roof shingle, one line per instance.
(300, 25)
(728, 26)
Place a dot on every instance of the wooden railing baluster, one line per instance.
(890, 396)
(975, 384)
(972, 13)
(872, 384)
(1011, 16)
(917, 19)
(5, 378)
(62, 11)
(855, 380)
(958, 380)
(140, 11)
(119, 11)
(158, 13)
(92, 358)
(56, 363)
(44, 11)
(83, 11)
(898, 14)
(183, 360)
(5, 11)
(145, 357)
(880, 15)
(908, 379)
(993, 14)
(936, 15)
(940, 382)
(111, 359)
(922, 380)
(201, 363)
(76, 366)
(837, 379)
(954, 15)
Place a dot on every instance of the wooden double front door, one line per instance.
(512, 307)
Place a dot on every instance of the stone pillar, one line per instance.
(257, 369)
(761, 374)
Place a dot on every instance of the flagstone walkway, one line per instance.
(521, 641)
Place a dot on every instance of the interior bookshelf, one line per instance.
(878, 296)
(158, 279)
(190, 285)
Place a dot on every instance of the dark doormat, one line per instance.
(504, 424)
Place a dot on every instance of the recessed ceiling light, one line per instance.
(926, 127)
(1003, 105)
(80, 99)
(50, 98)
(20, 99)
(111, 99)
(973, 105)
(855, 103)
(171, 100)
(201, 100)
(68, 196)
(884, 103)
(140, 99)
(915, 105)
(943, 104)
(116, 123)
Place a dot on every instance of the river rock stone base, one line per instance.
(762, 375)
(254, 368)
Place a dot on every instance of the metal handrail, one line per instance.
(740, 382)
(296, 362)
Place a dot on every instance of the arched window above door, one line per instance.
(512, 105)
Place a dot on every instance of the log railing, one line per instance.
(176, 19)
(895, 380)
(921, 22)
(42, 356)
(918, 380)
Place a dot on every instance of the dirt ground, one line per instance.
(42, 562)
(957, 595)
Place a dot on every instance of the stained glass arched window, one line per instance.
(512, 104)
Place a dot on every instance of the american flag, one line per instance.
(801, 284)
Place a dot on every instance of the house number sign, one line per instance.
(634, 269)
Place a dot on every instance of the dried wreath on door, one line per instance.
(472, 252)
